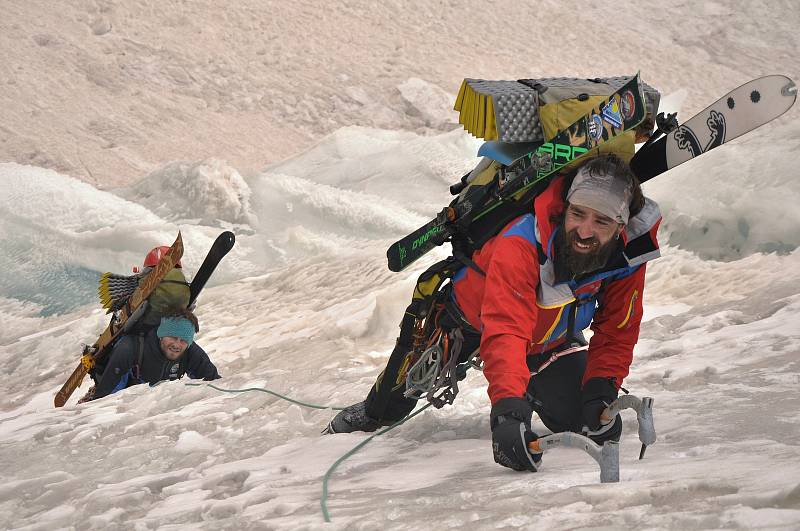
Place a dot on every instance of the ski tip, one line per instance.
(61, 398)
(224, 242)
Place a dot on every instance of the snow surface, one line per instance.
(175, 104)
(306, 308)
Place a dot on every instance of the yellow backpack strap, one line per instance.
(430, 282)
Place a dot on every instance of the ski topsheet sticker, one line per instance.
(611, 112)
(627, 105)
(596, 127)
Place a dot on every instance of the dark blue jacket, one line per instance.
(123, 368)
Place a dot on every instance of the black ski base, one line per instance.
(222, 246)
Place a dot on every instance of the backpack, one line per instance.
(172, 292)
(516, 118)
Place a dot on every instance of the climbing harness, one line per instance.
(556, 355)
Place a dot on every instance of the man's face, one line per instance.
(173, 347)
(589, 229)
(588, 239)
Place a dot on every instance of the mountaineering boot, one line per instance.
(352, 418)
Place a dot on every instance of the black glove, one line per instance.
(510, 420)
(598, 393)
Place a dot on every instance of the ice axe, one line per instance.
(607, 455)
(644, 414)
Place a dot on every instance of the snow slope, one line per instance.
(305, 307)
(320, 133)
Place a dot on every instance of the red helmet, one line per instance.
(155, 255)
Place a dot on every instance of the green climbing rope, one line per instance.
(273, 393)
(326, 478)
(324, 500)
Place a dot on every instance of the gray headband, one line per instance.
(603, 192)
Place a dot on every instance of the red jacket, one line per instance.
(519, 309)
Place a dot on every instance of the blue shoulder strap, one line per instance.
(506, 152)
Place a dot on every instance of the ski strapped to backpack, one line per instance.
(172, 292)
(741, 110)
(221, 247)
(92, 353)
(479, 212)
(513, 173)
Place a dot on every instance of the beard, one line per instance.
(570, 263)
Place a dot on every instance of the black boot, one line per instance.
(353, 418)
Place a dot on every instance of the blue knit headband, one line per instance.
(176, 327)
